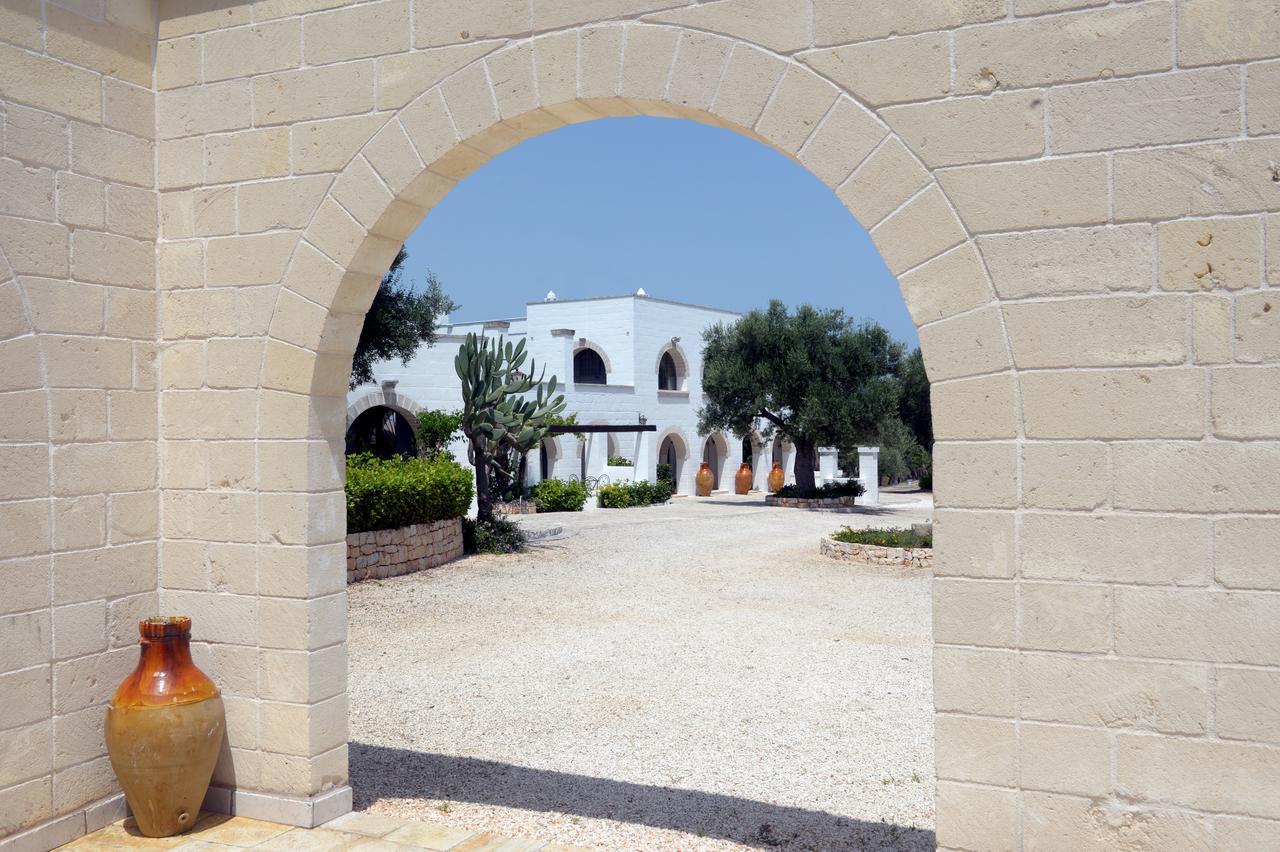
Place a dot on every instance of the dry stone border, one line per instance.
(873, 554)
(828, 504)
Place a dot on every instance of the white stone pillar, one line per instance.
(645, 458)
(827, 460)
(533, 467)
(597, 453)
(869, 474)
(561, 365)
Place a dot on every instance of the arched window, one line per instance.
(668, 378)
(588, 368)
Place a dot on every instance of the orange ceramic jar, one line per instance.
(777, 477)
(742, 481)
(164, 729)
(704, 480)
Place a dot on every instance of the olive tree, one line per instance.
(814, 375)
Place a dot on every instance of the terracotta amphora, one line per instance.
(164, 729)
(742, 481)
(777, 477)
(704, 480)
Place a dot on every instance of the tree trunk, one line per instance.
(484, 503)
(804, 466)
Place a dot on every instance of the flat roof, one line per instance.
(635, 296)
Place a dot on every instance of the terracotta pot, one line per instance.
(704, 480)
(164, 729)
(742, 481)
(777, 477)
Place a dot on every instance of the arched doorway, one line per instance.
(711, 458)
(382, 431)
(671, 456)
(547, 458)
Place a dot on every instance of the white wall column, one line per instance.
(827, 461)
(869, 474)
(646, 457)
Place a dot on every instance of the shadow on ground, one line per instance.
(378, 772)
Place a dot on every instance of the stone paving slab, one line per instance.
(358, 832)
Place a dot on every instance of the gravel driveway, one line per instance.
(691, 676)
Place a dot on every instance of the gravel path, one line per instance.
(692, 676)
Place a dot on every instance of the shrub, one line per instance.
(926, 481)
(389, 493)
(614, 496)
(619, 461)
(560, 495)
(894, 537)
(497, 536)
(436, 429)
(848, 488)
(621, 495)
(664, 474)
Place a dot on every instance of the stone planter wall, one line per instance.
(830, 504)
(389, 553)
(872, 554)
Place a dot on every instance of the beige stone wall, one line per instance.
(78, 401)
(378, 554)
(1079, 199)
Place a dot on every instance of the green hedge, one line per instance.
(386, 494)
(622, 495)
(848, 488)
(560, 495)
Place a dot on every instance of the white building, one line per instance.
(622, 360)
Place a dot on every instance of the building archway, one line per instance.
(673, 454)
(589, 367)
(716, 455)
(383, 431)
(672, 368)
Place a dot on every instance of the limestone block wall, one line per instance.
(1079, 200)
(378, 554)
(78, 393)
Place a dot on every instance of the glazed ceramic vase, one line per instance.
(742, 482)
(164, 729)
(704, 480)
(777, 477)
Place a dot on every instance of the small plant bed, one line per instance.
(497, 536)
(624, 495)
(833, 496)
(893, 537)
(560, 495)
(902, 548)
(619, 461)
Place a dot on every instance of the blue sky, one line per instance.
(686, 211)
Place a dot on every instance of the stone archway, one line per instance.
(452, 128)
(1050, 318)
